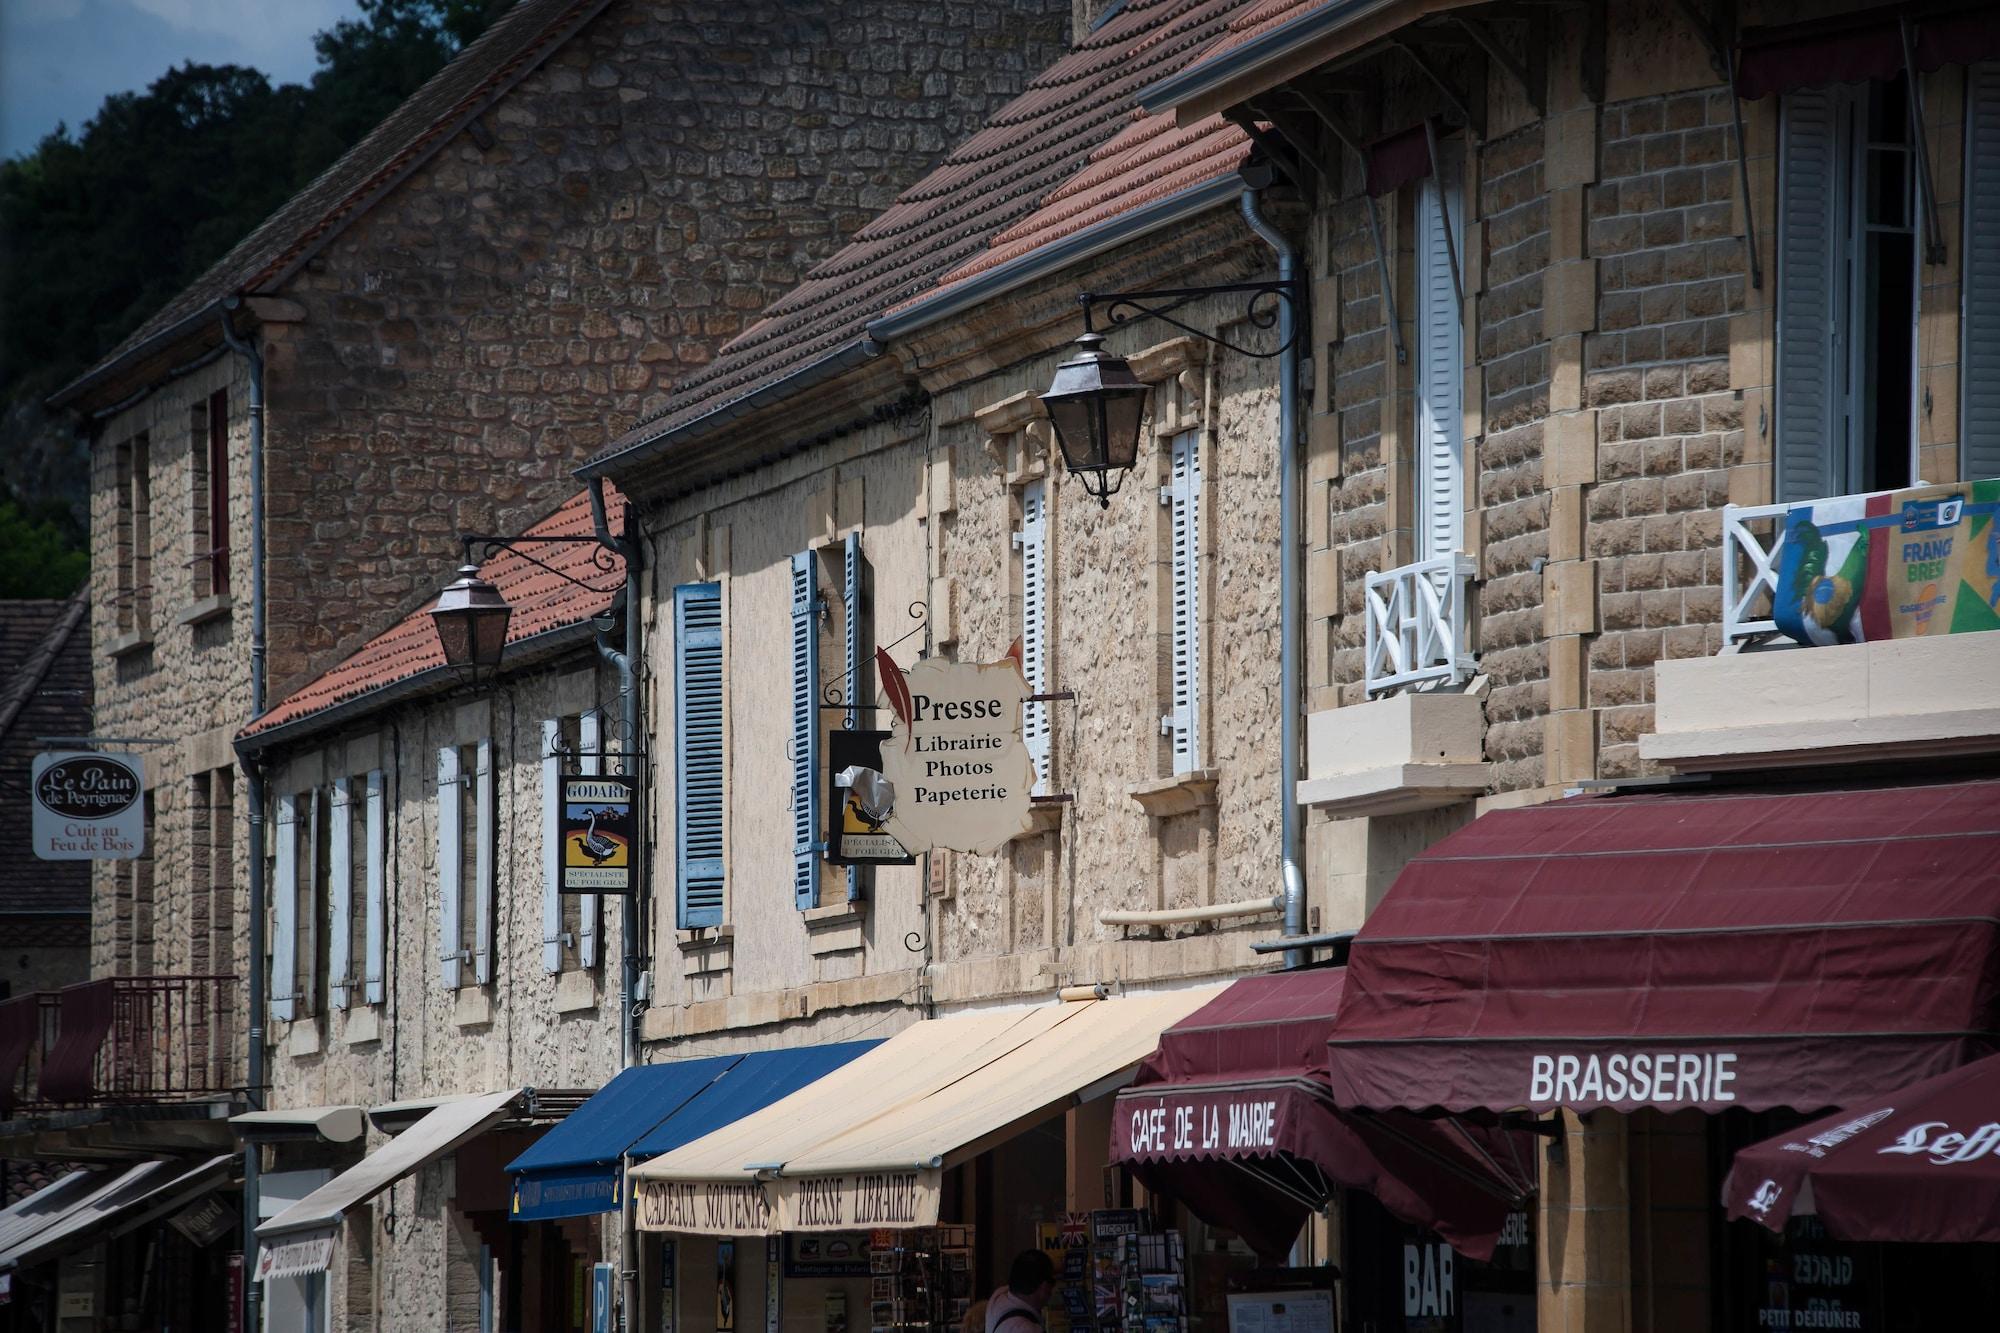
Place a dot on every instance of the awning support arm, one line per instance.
(1388, 290)
(1926, 187)
(1274, 148)
(1272, 1182)
(1459, 101)
(1489, 42)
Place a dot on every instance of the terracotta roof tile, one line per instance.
(45, 690)
(516, 43)
(994, 181)
(543, 600)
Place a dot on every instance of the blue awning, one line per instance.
(574, 1169)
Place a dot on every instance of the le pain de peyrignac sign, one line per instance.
(845, 1201)
(89, 805)
(598, 822)
(960, 774)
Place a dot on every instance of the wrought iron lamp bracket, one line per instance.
(1261, 304)
(604, 558)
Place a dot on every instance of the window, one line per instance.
(299, 881)
(208, 495)
(356, 841)
(1182, 498)
(1979, 371)
(135, 536)
(1847, 285)
(700, 866)
(1032, 541)
(807, 605)
(465, 832)
(1440, 415)
(570, 922)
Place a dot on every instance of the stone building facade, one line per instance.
(540, 242)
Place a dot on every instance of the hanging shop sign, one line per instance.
(1897, 565)
(89, 805)
(858, 802)
(958, 772)
(296, 1256)
(599, 837)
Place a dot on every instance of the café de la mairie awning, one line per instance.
(866, 1146)
(1709, 948)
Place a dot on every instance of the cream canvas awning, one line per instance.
(867, 1145)
(300, 1239)
(335, 1124)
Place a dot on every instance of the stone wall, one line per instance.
(508, 310)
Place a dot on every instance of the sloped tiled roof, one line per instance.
(517, 42)
(543, 600)
(45, 690)
(993, 182)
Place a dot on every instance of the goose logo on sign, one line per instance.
(89, 806)
(1766, 1198)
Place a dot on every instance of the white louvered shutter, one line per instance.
(805, 732)
(450, 793)
(340, 890)
(1979, 375)
(1811, 426)
(551, 845)
(306, 962)
(378, 857)
(698, 760)
(482, 864)
(285, 901)
(590, 744)
(1440, 360)
(1182, 496)
(1033, 539)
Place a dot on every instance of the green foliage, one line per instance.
(45, 552)
(100, 229)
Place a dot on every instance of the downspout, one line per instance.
(626, 663)
(1290, 704)
(253, 783)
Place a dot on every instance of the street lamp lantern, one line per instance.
(471, 618)
(1096, 404)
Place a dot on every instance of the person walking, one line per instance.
(1017, 1307)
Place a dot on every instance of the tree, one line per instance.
(45, 554)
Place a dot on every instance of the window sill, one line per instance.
(1045, 816)
(835, 928)
(1182, 794)
(576, 992)
(471, 1006)
(303, 1039)
(364, 1024)
(219, 607)
(131, 644)
(707, 952)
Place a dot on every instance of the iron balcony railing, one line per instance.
(1416, 623)
(119, 1040)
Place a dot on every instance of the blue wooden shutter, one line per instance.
(450, 848)
(699, 868)
(1440, 354)
(805, 731)
(552, 845)
(589, 917)
(1182, 495)
(483, 877)
(1811, 428)
(340, 887)
(377, 842)
(851, 598)
(285, 902)
(1979, 375)
(1033, 539)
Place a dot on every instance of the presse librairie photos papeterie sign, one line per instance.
(599, 822)
(89, 805)
(955, 772)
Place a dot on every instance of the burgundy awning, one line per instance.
(1397, 159)
(1232, 1116)
(1854, 48)
(1919, 1164)
(1751, 948)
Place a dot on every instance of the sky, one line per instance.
(59, 59)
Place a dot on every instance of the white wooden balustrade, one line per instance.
(1416, 623)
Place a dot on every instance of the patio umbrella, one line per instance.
(1915, 1165)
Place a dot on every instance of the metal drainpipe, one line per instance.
(253, 782)
(1290, 704)
(629, 546)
